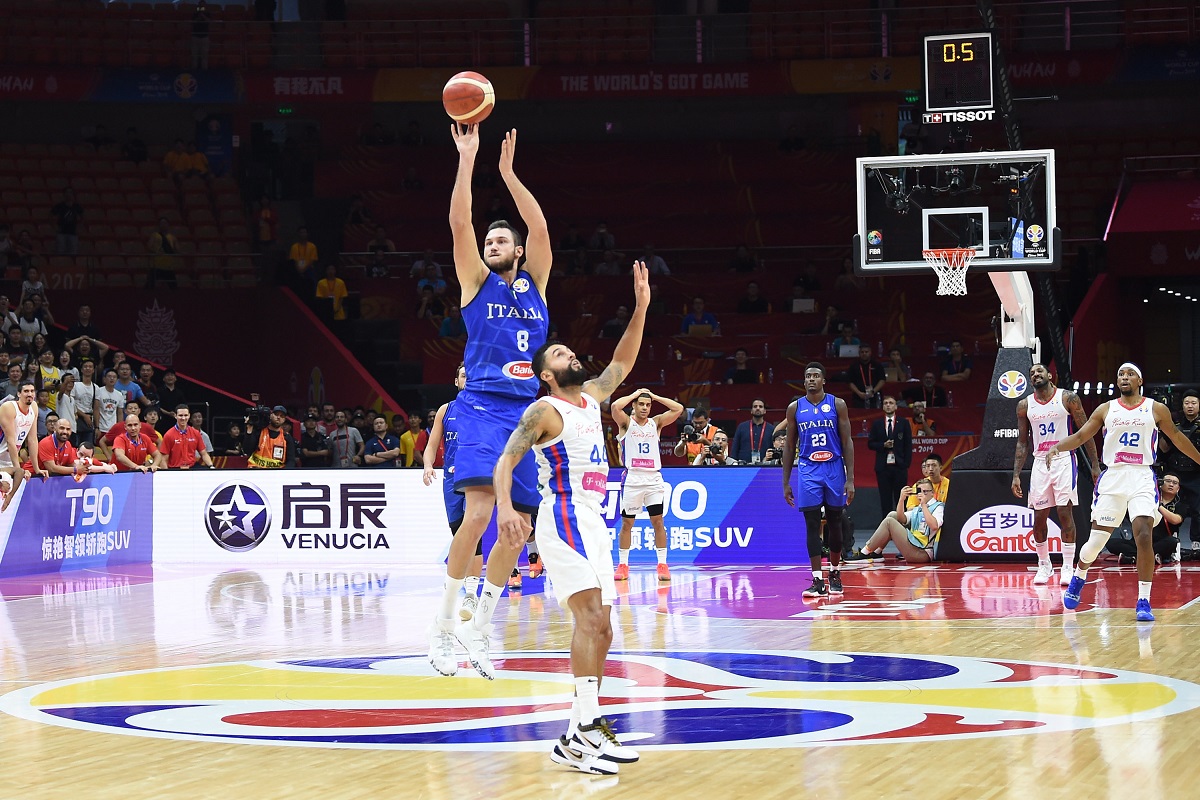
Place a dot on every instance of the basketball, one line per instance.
(468, 98)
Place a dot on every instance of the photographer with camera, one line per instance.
(268, 443)
(694, 437)
(774, 456)
(717, 453)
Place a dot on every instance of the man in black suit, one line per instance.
(891, 439)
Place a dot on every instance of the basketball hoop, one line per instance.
(951, 265)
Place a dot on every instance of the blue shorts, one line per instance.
(456, 504)
(821, 484)
(485, 422)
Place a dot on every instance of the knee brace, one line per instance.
(812, 522)
(1091, 549)
(833, 524)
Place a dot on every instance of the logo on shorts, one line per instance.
(521, 285)
(237, 516)
(518, 370)
(1012, 384)
(1035, 233)
(874, 237)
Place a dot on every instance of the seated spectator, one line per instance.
(915, 531)
(18, 351)
(382, 449)
(69, 213)
(28, 321)
(133, 451)
(84, 350)
(378, 136)
(378, 266)
(453, 326)
(381, 242)
(145, 382)
(55, 453)
(133, 148)
(847, 281)
(608, 265)
(774, 456)
(41, 310)
(302, 258)
(699, 317)
(895, 368)
(333, 289)
(928, 392)
(847, 338)
(44, 412)
(692, 444)
(742, 260)
(150, 420)
(266, 225)
(831, 323)
(740, 372)
(866, 379)
(931, 469)
(430, 307)
(12, 381)
(654, 262)
(177, 162)
(164, 252)
(50, 377)
(716, 454)
(125, 383)
(573, 239)
(358, 214)
(922, 424)
(198, 166)
(800, 302)
(83, 325)
(957, 367)
(66, 363)
(108, 410)
(233, 439)
(421, 267)
(752, 302)
(432, 280)
(601, 239)
(615, 327)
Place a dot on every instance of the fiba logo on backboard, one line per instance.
(1035, 233)
(237, 516)
(1012, 384)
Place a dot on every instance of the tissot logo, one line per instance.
(521, 370)
(1192, 255)
(958, 116)
(237, 516)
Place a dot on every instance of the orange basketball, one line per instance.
(468, 98)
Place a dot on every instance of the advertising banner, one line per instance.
(167, 86)
(666, 80)
(321, 86)
(249, 517)
(46, 83)
(59, 524)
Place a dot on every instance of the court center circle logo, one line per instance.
(656, 700)
(237, 516)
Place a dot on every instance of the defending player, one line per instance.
(1131, 424)
(1053, 414)
(504, 308)
(642, 484)
(17, 417)
(567, 434)
(826, 467)
(445, 429)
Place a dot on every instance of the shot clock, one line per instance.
(958, 72)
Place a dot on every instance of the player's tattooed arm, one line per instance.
(1074, 406)
(606, 382)
(1022, 452)
(528, 431)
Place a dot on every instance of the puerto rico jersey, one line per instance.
(817, 437)
(505, 326)
(1049, 422)
(1130, 434)
(455, 503)
(24, 423)
(573, 467)
(640, 449)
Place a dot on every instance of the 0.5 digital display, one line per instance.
(958, 72)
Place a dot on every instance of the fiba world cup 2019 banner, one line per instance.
(712, 515)
(59, 524)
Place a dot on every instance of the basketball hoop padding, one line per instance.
(950, 265)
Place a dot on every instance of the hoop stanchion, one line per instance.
(950, 265)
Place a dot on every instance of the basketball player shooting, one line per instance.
(566, 432)
(1131, 424)
(1048, 417)
(504, 308)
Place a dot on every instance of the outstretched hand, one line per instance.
(641, 284)
(466, 138)
(508, 149)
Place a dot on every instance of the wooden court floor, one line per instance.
(933, 682)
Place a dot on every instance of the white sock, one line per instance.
(818, 574)
(573, 723)
(624, 557)
(1068, 553)
(487, 603)
(587, 692)
(1043, 552)
(531, 546)
(662, 555)
(1081, 571)
(449, 606)
(1144, 590)
(471, 585)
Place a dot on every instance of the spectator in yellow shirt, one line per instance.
(931, 469)
(409, 454)
(197, 163)
(333, 288)
(302, 257)
(176, 162)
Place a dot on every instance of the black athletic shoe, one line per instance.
(818, 589)
(835, 581)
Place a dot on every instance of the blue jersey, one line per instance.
(505, 325)
(818, 438)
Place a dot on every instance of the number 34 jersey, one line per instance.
(1049, 422)
(1130, 434)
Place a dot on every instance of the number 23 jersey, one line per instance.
(818, 439)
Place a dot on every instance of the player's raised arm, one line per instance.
(1022, 451)
(847, 437)
(630, 343)
(540, 422)
(429, 454)
(1074, 407)
(617, 409)
(789, 453)
(538, 251)
(1162, 418)
(673, 412)
(1089, 429)
(468, 265)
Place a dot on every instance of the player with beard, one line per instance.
(1128, 485)
(1054, 413)
(821, 425)
(566, 432)
(17, 418)
(504, 308)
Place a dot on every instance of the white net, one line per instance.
(951, 266)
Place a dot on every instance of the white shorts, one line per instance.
(1057, 485)
(1131, 489)
(577, 551)
(638, 492)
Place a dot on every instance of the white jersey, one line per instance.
(639, 447)
(1130, 434)
(24, 424)
(573, 466)
(1049, 422)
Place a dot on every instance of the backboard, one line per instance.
(1001, 204)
